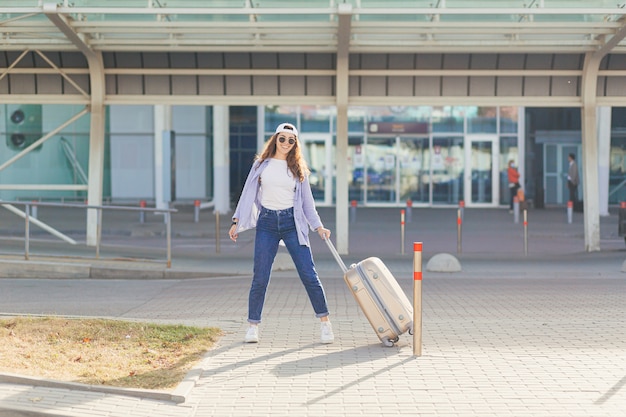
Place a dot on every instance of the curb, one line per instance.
(75, 270)
(178, 395)
(26, 412)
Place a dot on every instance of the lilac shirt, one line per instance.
(249, 206)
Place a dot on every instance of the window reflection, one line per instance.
(445, 171)
(617, 169)
(391, 167)
(356, 169)
(412, 155)
(315, 118)
(448, 119)
(482, 120)
(380, 165)
(275, 115)
(481, 164)
(508, 119)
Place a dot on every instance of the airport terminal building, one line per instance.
(396, 102)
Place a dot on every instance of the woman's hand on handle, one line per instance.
(324, 233)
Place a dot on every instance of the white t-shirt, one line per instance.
(278, 186)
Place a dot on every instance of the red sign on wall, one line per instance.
(401, 127)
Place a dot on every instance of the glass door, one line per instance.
(413, 169)
(318, 152)
(555, 167)
(444, 175)
(380, 170)
(481, 173)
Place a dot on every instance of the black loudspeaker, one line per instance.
(23, 125)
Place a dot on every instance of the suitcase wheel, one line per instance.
(389, 342)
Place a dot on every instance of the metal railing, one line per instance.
(10, 205)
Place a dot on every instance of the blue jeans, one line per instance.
(272, 226)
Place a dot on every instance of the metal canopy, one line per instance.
(591, 29)
(416, 26)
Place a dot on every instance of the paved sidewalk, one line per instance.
(540, 334)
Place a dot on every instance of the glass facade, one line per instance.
(617, 159)
(402, 153)
(413, 163)
(60, 160)
(429, 155)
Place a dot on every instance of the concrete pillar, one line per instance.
(341, 150)
(162, 124)
(221, 159)
(96, 144)
(604, 157)
(589, 120)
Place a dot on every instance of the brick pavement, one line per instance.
(491, 347)
(510, 335)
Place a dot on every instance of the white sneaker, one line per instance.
(327, 335)
(252, 336)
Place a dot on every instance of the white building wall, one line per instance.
(132, 152)
(189, 124)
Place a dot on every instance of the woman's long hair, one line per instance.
(295, 161)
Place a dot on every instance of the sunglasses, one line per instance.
(282, 139)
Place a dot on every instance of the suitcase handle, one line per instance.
(342, 265)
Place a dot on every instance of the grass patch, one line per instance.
(102, 352)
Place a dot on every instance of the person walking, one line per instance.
(573, 180)
(513, 175)
(277, 200)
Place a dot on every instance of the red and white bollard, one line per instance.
(196, 211)
(570, 211)
(525, 232)
(417, 298)
(459, 223)
(409, 207)
(402, 231)
(142, 214)
(352, 211)
(515, 209)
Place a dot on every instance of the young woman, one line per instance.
(278, 202)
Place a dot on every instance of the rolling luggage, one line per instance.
(377, 292)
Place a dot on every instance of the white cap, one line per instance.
(287, 128)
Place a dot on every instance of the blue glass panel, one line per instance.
(484, 121)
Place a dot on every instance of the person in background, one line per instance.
(513, 175)
(573, 180)
(278, 202)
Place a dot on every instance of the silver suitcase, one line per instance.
(379, 295)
